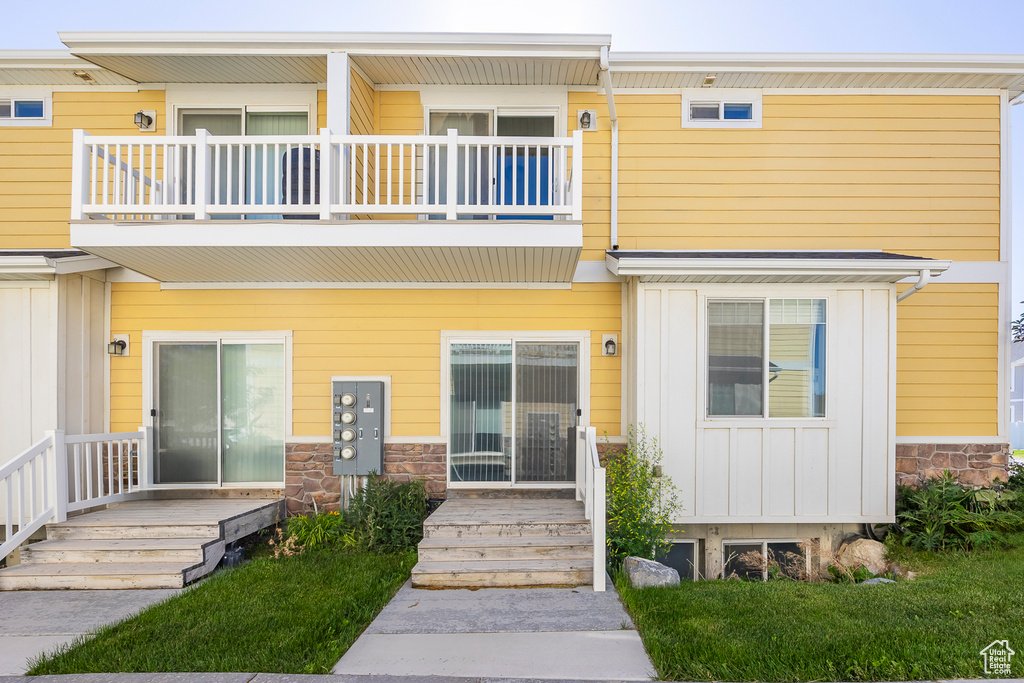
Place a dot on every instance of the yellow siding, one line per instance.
(916, 174)
(946, 361)
(597, 166)
(321, 109)
(35, 163)
(366, 332)
(362, 103)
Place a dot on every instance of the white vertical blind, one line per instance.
(186, 451)
(547, 394)
(481, 421)
(252, 412)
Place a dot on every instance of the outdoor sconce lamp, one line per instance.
(609, 345)
(145, 120)
(118, 347)
(586, 119)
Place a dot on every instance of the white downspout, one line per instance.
(606, 83)
(922, 282)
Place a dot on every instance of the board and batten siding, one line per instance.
(35, 163)
(728, 470)
(366, 332)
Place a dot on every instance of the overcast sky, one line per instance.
(960, 26)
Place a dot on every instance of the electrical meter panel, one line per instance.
(358, 427)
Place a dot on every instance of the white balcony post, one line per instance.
(80, 173)
(202, 175)
(57, 456)
(145, 457)
(452, 189)
(576, 188)
(326, 174)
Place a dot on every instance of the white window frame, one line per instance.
(721, 97)
(30, 95)
(449, 337)
(696, 543)
(765, 415)
(150, 338)
(242, 98)
(764, 550)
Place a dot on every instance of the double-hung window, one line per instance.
(766, 357)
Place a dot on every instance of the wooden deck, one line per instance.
(512, 542)
(156, 543)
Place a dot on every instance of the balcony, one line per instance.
(331, 208)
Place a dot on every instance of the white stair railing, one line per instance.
(591, 489)
(60, 474)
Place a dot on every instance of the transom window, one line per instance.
(721, 108)
(766, 353)
(721, 111)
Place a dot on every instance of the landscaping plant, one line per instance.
(386, 516)
(942, 514)
(314, 532)
(641, 500)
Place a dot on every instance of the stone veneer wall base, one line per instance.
(974, 464)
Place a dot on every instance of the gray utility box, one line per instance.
(358, 427)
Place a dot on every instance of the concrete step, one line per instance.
(497, 529)
(95, 576)
(126, 529)
(117, 551)
(502, 573)
(506, 548)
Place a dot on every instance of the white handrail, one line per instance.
(61, 474)
(324, 176)
(591, 489)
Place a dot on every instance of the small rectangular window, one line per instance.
(738, 111)
(681, 556)
(28, 109)
(5, 109)
(704, 111)
(721, 108)
(761, 560)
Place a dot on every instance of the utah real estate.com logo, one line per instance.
(997, 658)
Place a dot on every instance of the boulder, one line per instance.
(876, 581)
(864, 553)
(647, 573)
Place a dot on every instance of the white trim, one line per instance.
(15, 93)
(386, 379)
(582, 337)
(594, 271)
(359, 285)
(721, 97)
(1005, 302)
(149, 337)
(106, 356)
(266, 96)
(799, 62)
(120, 274)
(951, 439)
(972, 272)
(339, 93)
(882, 91)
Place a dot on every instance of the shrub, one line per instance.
(386, 516)
(641, 502)
(941, 514)
(317, 531)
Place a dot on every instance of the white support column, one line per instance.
(58, 460)
(326, 174)
(339, 113)
(201, 178)
(452, 189)
(577, 175)
(80, 159)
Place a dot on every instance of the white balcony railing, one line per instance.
(325, 176)
(591, 489)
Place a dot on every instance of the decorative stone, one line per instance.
(647, 573)
(875, 582)
(864, 553)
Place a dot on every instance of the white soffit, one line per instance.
(389, 58)
(296, 251)
(744, 70)
(52, 67)
(854, 268)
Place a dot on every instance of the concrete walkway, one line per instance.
(34, 622)
(541, 633)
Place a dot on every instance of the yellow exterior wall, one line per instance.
(363, 103)
(597, 167)
(366, 332)
(947, 361)
(35, 163)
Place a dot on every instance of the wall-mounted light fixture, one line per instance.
(146, 120)
(586, 119)
(118, 347)
(609, 344)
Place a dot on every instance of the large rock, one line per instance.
(864, 553)
(646, 573)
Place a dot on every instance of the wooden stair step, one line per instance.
(94, 575)
(500, 529)
(506, 548)
(117, 551)
(502, 573)
(129, 530)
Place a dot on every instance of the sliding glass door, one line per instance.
(219, 412)
(512, 406)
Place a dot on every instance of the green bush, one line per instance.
(311, 532)
(640, 502)
(387, 517)
(941, 514)
(1012, 494)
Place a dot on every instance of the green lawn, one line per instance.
(930, 628)
(294, 615)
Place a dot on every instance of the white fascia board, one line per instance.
(41, 59)
(79, 264)
(28, 265)
(263, 42)
(893, 269)
(298, 234)
(825, 62)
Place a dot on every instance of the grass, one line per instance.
(930, 628)
(293, 615)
